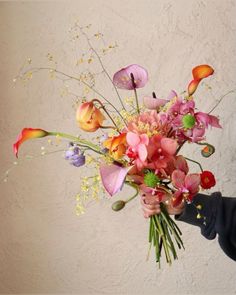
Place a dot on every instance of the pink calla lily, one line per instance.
(28, 133)
(113, 177)
(122, 79)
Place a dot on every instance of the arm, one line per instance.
(220, 218)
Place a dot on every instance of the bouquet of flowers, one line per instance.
(142, 149)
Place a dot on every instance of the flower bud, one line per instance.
(89, 117)
(118, 205)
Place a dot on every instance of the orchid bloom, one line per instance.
(122, 79)
(207, 119)
(137, 147)
(160, 151)
(28, 133)
(116, 145)
(199, 73)
(187, 186)
(89, 117)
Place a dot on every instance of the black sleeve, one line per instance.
(218, 218)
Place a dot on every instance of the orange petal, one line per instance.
(192, 87)
(202, 71)
(28, 133)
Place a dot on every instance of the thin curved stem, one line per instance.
(195, 163)
(81, 81)
(221, 98)
(101, 63)
(81, 142)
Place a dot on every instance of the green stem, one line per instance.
(135, 186)
(136, 98)
(81, 142)
(195, 163)
(105, 110)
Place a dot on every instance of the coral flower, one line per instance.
(28, 133)
(122, 79)
(116, 145)
(89, 117)
(207, 180)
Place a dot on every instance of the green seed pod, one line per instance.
(118, 205)
(208, 150)
(188, 121)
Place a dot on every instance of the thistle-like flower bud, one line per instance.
(151, 180)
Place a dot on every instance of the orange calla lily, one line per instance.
(28, 133)
(116, 145)
(199, 73)
(89, 117)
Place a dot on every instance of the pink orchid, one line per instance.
(207, 119)
(122, 79)
(137, 147)
(187, 186)
(160, 151)
(113, 177)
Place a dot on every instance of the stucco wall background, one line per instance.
(44, 246)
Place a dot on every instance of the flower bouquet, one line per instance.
(141, 146)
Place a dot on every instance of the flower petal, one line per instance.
(202, 71)
(122, 79)
(172, 95)
(192, 182)
(169, 145)
(153, 103)
(132, 139)
(178, 178)
(113, 177)
(142, 152)
(181, 164)
(192, 87)
(28, 133)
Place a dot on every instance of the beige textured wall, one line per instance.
(44, 246)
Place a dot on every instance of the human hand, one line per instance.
(152, 207)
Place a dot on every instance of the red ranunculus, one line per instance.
(207, 180)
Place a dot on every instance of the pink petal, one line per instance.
(172, 95)
(113, 177)
(132, 139)
(177, 199)
(214, 121)
(169, 145)
(153, 103)
(142, 152)
(178, 178)
(192, 182)
(122, 79)
(144, 139)
(181, 164)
